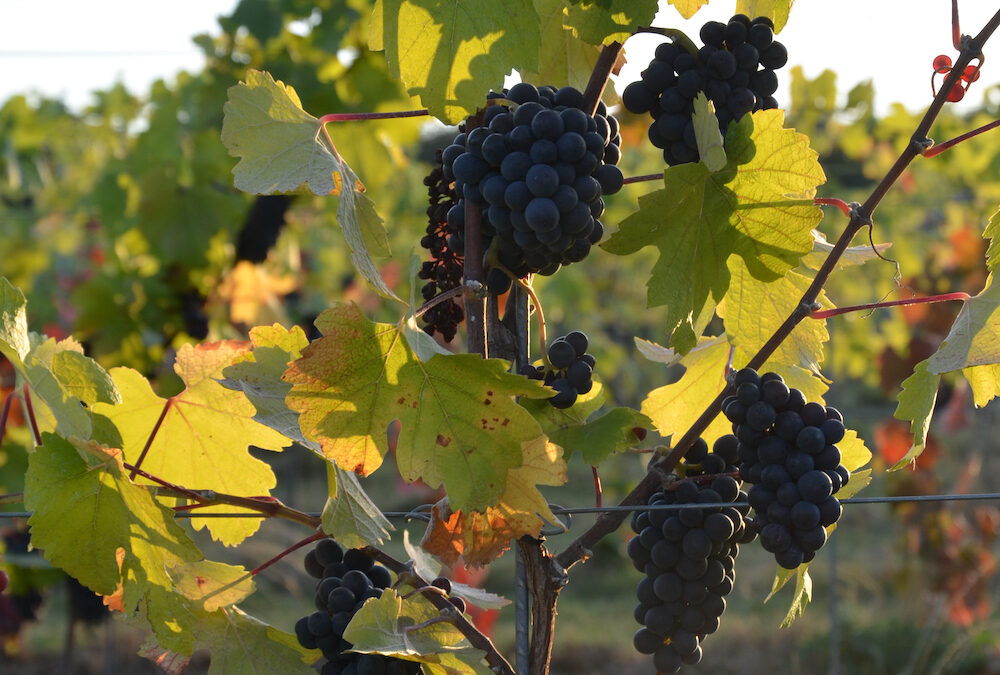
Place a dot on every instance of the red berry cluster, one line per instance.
(942, 66)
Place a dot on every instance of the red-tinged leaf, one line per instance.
(480, 536)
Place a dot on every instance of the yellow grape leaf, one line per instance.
(687, 8)
(254, 296)
(460, 424)
(674, 407)
(203, 437)
(776, 10)
(480, 536)
(985, 383)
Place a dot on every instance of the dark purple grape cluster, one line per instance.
(443, 271)
(788, 453)
(346, 580)
(726, 69)
(571, 370)
(538, 167)
(688, 556)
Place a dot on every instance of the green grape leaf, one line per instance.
(200, 437)
(853, 255)
(974, 339)
(281, 150)
(563, 59)
(603, 436)
(350, 516)
(985, 383)
(711, 148)
(362, 226)
(13, 323)
(83, 378)
(480, 536)
(554, 419)
(776, 10)
(278, 142)
(916, 404)
(687, 8)
(449, 53)
(258, 373)
(460, 426)
(56, 372)
(598, 22)
(992, 233)
(109, 533)
(241, 644)
(759, 207)
(753, 310)
(385, 626)
(211, 585)
(674, 408)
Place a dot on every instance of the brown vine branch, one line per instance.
(599, 77)
(861, 216)
(270, 506)
(496, 660)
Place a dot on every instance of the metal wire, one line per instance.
(422, 512)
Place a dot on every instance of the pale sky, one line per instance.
(69, 48)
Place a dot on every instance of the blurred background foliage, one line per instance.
(121, 224)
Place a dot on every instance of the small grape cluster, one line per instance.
(346, 580)
(444, 270)
(688, 556)
(572, 369)
(726, 69)
(537, 167)
(788, 452)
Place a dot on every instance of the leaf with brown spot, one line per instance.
(360, 376)
(480, 536)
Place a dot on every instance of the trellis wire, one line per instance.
(522, 620)
(421, 512)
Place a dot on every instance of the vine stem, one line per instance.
(152, 435)
(541, 318)
(598, 491)
(13, 498)
(269, 507)
(861, 217)
(438, 299)
(938, 149)
(352, 117)
(827, 313)
(31, 414)
(4, 412)
(291, 549)
(643, 178)
(478, 640)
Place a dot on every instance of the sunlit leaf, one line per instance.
(916, 404)
(759, 207)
